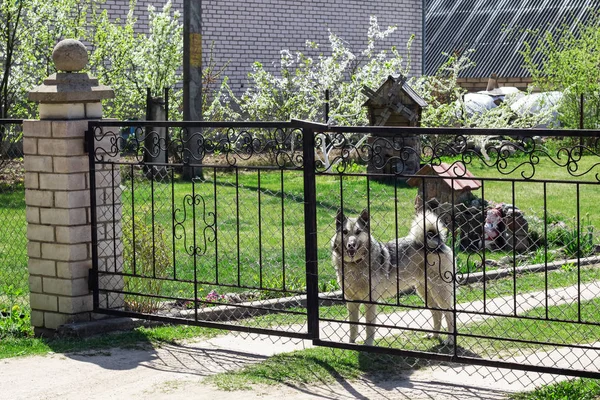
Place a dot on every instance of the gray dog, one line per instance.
(369, 271)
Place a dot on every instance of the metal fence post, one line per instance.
(93, 274)
(310, 232)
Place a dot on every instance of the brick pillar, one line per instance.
(57, 192)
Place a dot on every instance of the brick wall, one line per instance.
(478, 84)
(256, 30)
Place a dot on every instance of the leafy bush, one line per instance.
(582, 248)
(15, 322)
(574, 244)
(541, 256)
(567, 60)
(14, 319)
(151, 251)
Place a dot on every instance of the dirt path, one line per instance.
(177, 371)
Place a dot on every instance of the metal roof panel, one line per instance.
(496, 29)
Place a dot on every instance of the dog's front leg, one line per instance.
(436, 315)
(450, 322)
(371, 318)
(353, 309)
(437, 324)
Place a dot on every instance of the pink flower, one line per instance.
(213, 296)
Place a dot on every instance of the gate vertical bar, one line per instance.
(196, 303)
(310, 232)
(93, 281)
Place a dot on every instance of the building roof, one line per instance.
(496, 29)
(456, 176)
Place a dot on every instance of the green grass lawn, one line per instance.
(580, 389)
(14, 290)
(560, 198)
(248, 230)
(19, 346)
(243, 229)
(316, 365)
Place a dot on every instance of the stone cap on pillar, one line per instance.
(70, 94)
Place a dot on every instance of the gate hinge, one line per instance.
(87, 142)
(92, 280)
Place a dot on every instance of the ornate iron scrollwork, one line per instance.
(200, 237)
(281, 146)
(508, 155)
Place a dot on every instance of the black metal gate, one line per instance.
(246, 244)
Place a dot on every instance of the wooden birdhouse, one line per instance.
(394, 103)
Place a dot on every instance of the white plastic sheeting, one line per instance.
(477, 103)
(520, 103)
(536, 102)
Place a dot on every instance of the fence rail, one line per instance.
(290, 228)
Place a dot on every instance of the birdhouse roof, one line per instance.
(455, 175)
(390, 82)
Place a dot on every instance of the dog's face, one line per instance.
(435, 240)
(352, 236)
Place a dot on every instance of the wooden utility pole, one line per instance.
(192, 84)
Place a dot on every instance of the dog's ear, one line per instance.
(339, 219)
(364, 216)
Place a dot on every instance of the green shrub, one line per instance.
(14, 319)
(575, 244)
(540, 256)
(151, 252)
(584, 247)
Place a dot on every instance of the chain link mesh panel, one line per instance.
(506, 278)
(520, 229)
(226, 248)
(14, 286)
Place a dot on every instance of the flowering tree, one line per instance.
(297, 91)
(131, 62)
(443, 94)
(29, 29)
(127, 61)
